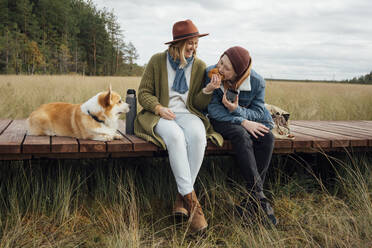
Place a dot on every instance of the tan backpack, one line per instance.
(280, 117)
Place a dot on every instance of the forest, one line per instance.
(365, 79)
(63, 37)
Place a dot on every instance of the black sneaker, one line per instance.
(268, 210)
(247, 209)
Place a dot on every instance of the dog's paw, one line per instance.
(103, 138)
(117, 136)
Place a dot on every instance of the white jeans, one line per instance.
(185, 139)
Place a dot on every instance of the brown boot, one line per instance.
(179, 208)
(197, 220)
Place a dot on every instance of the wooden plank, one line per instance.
(357, 127)
(137, 143)
(4, 123)
(72, 155)
(335, 139)
(122, 145)
(212, 147)
(15, 156)
(302, 141)
(283, 144)
(356, 139)
(283, 150)
(11, 139)
(367, 123)
(348, 131)
(36, 144)
(306, 141)
(61, 144)
(91, 146)
(140, 144)
(131, 154)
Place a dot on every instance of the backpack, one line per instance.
(280, 117)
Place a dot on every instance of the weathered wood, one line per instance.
(310, 136)
(122, 145)
(11, 139)
(356, 139)
(283, 150)
(36, 144)
(316, 142)
(138, 144)
(19, 156)
(92, 146)
(335, 139)
(283, 143)
(212, 147)
(301, 141)
(4, 124)
(355, 127)
(131, 154)
(61, 144)
(78, 155)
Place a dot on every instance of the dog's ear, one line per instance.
(108, 97)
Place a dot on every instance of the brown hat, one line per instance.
(184, 30)
(239, 58)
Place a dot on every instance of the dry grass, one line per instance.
(127, 203)
(19, 95)
(322, 101)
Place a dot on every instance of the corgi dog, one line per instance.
(95, 119)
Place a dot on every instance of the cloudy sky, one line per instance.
(289, 39)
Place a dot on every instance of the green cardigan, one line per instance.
(153, 90)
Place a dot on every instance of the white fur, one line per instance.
(92, 105)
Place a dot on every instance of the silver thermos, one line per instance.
(131, 115)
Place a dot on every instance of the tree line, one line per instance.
(366, 79)
(63, 36)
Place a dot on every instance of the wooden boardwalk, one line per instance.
(310, 136)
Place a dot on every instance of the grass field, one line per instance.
(19, 95)
(127, 202)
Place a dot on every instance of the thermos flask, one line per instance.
(131, 115)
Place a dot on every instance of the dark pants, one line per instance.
(253, 155)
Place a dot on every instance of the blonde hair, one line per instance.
(177, 51)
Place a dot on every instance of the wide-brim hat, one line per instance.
(185, 30)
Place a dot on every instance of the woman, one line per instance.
(244, 120)
(172, 96)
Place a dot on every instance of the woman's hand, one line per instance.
(231, 106)
(166, 113)
(255, 128)
(214, 83)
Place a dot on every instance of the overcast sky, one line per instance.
(291, 39)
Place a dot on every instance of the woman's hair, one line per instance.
(177, 51)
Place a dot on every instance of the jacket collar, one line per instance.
(245, 86)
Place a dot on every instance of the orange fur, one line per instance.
(65, 119)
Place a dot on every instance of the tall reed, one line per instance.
(127, 203)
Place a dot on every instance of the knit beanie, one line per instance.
(239, 58)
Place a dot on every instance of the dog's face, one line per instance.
(112, 104)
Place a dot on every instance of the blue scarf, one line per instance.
(179, 83)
